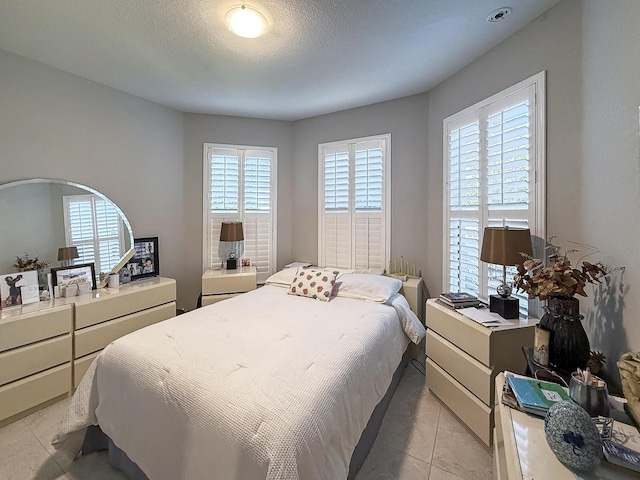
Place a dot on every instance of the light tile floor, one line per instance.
(418, 440)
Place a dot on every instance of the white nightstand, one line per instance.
(221, 284)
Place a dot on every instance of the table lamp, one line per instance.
(503, 246)
(67, 254)
(231, 246)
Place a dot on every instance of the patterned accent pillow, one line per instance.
(313, 283)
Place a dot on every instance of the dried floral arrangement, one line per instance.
(560, 278)
(25, 264)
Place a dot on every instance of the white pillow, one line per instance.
(314, 283)
(364, 286)
(283, 278)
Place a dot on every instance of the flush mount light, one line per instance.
(499, 14)
(246, 21)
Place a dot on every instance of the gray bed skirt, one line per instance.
(96, 440)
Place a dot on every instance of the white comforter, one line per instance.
(265, 385)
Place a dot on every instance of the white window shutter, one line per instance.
(353, 200)
(490, 149)
(241, 186)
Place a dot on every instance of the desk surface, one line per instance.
(528, 455)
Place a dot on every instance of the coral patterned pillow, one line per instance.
(313, 283)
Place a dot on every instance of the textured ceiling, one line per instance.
(318, 56)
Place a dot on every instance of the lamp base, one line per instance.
(508, 307)
(232, 264)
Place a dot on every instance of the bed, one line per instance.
(271, 384)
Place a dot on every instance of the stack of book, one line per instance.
(458, 300)
(531, 395)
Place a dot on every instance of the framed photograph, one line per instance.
(74, 275)
(11, 287)
(145, 262)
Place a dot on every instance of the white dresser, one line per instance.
(463, 359)
(46, 347)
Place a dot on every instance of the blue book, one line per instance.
(621, 455)
(537, 396)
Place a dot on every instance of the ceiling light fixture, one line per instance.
(246, 21)
(499, 14)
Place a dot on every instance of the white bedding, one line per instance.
(264, 385)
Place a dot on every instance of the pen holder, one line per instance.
(592, 395)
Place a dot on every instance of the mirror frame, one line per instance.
(127, 255)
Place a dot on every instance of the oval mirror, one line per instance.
(39, 216)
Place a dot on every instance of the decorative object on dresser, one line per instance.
(464, 357)
(145, 262)
(629, 368)
(66, 255)
(505, 246)
(231, 245)
(572, 436)
(559, 283)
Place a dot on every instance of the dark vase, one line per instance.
(568, 343)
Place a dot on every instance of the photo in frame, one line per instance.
(11, 287)
(146, 261)
(74, 275)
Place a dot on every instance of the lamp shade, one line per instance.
(67, 253)
(502, 246)
(231, 232)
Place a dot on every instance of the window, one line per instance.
(94, 226)
(354, 202)
(494, 176)
(240, 184)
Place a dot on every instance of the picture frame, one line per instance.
(74, 274)
(11, 285)
(146, 260)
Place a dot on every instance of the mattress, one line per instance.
(264, 385)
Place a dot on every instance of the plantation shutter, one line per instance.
(93, 225)
(492, 167)
(353, 230)
(241, 186)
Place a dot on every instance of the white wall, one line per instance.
(593, 181)
(200, 129)
(57, 125)
(406, 120)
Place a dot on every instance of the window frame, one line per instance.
(537, 164)
(351, 213)
(241, 214)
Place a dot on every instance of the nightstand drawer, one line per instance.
(475, 414)
(240, 280)
(21, 362)
(211, 299)
(463, 367)
(96, 337)
(466, 334)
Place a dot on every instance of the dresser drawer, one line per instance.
(34, 358)
(29, 392)
(34, 327)
(476, 415)
(468, 335)
(80, 367)
(132, 298)
(475, 376)
(96, 337)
